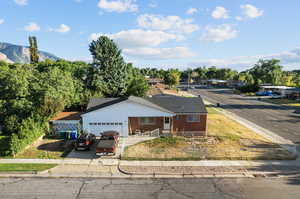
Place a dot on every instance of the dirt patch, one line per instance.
(47, 149)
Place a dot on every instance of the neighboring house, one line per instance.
(281, 90)
(217, 83)
(155, 81)
(166, 114)
(65, 122)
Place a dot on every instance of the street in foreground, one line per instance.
(251, 188)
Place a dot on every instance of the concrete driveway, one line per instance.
(123, 143)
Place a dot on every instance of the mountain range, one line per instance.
(12, 53)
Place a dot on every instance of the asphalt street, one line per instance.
(279, 119)
(56, 188)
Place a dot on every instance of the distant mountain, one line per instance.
(20, 54)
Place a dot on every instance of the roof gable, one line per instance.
(99, 103)
(165, 103)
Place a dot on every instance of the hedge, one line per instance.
(4, 145)
(29, 131)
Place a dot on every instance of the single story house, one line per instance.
(280, 90)
(65, 122)
(155, 81)
(163, 114)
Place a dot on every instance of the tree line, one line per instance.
(263, 72)
(30, 94)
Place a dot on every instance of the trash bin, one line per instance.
(73, 135)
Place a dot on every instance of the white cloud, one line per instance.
(63, 28)
(172, 23)
(2, 21)
(219, 33)
(159, 53)
(289, 59)
(220, 13)
(32, 27)
(138, 38)
(250, 11)
(239, 18)
(191, 11)
(21, 2)
(118, 5)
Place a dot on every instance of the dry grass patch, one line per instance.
(227, 140)
(47, 149)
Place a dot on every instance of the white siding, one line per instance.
(118, 113)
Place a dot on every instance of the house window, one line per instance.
(147, 120)
(177, 117)
(193, 118)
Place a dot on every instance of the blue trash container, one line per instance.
(73, 135)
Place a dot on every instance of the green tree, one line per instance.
(137, 83)
(172, 77)
(33, 48)
(112, 70)
(267, 71)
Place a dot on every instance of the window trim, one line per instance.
(141, 122)
(193, 121)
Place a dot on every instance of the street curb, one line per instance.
(225, 174)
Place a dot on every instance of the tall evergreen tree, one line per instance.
(33, 48)
(112, 70)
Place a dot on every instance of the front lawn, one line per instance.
(227, 140)
(47, 149)
(25, 167)
(287, 102)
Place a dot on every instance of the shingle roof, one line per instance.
(178, 104)
(66, 116)
(98, 103)
(146, 102)
(165, 103)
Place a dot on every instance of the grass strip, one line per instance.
(24, 167)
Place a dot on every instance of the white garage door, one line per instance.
(98, 128)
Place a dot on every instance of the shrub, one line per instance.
(28, 132)
(4, 146)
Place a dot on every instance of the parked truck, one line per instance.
(108, 143)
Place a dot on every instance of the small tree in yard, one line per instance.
(172, 78)
(112, 70)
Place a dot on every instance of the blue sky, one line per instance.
(165, 33)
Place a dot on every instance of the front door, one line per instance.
(167, 123)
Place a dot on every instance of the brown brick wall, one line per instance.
(182, 126)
